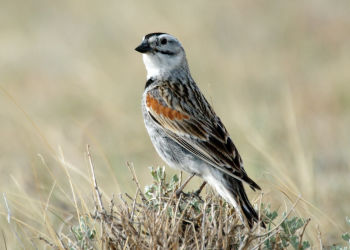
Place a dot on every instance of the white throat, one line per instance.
(157, 65)
(152, 68)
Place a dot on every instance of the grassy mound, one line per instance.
(157, 219)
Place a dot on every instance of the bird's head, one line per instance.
(162, 54)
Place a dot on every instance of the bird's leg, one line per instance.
(179, 191)
(197, 193)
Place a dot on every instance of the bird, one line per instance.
(184, 129)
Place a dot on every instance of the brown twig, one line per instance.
(99, 198)
(302, 233)
(134, 178)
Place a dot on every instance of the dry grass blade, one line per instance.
(97, 190)
(4, 239)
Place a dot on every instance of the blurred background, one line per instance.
(276, 72)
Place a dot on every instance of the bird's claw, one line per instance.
(195, 194)
(180, 192)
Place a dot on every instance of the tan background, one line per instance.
(276, 72)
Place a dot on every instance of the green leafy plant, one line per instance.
(160, 186)
(289, 233)
(84, 234)
(345, 237)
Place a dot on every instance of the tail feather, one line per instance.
(251, 183)
(232, 190)
(237, 189)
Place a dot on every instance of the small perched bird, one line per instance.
(184, 128)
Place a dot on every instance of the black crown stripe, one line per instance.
(154, 34)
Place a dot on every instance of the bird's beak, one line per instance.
(143, 47)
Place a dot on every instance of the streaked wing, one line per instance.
(187, 117)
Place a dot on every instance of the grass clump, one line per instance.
(156, 218)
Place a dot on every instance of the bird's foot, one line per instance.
(179, 192)
(195, 194)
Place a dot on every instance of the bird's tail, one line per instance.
(237, 190)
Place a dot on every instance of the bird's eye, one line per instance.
(163, 41)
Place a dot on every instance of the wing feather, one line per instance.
(198, 129)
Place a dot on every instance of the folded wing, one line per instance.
(195, 127)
